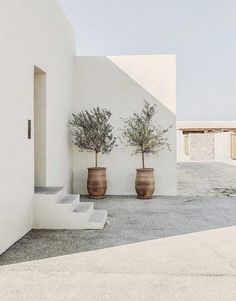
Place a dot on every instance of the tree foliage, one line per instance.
(140, 132)
(91, 131)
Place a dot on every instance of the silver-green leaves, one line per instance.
(92, 131)
(140, 132)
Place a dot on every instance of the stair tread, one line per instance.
(98, 216)
(69, 198)
(83, 207)
(48, 190)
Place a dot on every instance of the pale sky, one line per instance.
(202, 34)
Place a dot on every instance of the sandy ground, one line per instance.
(199, 266)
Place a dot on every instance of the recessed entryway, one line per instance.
(39, 127)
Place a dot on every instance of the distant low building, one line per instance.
(206, 141)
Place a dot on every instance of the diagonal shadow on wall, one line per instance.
(100, 82)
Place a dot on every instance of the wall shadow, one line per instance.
(100, 82)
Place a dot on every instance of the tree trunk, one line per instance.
(96, 159)
(143, 160)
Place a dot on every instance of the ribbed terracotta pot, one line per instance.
(97, 182)
(145, 183)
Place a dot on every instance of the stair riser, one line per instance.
(71, 206)
(59, 217)
(100, 223)
(75, 203)
(51, 213)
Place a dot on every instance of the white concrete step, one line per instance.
(71, 200)
(52, 193)
(98, 219)
(68, 199)
(54, 209)
(83, 207)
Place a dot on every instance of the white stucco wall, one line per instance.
(181, 156)
(223, 148)
(32, 33)
(121, 84)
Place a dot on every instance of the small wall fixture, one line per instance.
(29, 129)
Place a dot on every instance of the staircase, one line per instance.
(54, 209)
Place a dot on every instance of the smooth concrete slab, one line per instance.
(184, 267)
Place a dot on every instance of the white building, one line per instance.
(206, 141)
(41, 84)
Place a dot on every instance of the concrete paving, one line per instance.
(206, 178)
(199, 266)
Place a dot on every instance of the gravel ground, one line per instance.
(129, 220)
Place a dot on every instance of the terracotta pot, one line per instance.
(145, 183)
(97, 182)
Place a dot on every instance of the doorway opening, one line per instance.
(39, 127)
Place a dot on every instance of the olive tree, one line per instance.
(140, 132)
(91, 131)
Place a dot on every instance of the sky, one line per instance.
(202, 34)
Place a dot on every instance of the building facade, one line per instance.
(41, 84)
(206, 141)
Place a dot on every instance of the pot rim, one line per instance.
(144, 169)
(96, 168)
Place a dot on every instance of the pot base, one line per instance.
(97, 197)
(144, 198)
